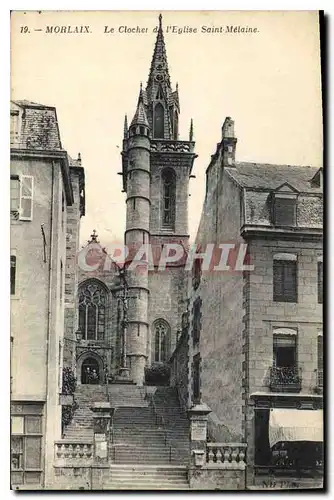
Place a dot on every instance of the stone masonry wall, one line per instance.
(180, 369)
(166, 301)
(71, 272)
(265, 315)
(221, 293)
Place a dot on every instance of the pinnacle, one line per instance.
(140, 117)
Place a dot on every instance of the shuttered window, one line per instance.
(285, 212)
(285, 281)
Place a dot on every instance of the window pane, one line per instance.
(16, 477)
(26, 208)
(82, 321)
(14, 194)
(26, 183)
(91, 327)
(16, 453)
(157, 345)
(16, 444)
(33, 425)
(17, 425)
(33, 453)
(101, 323)
(32, 477)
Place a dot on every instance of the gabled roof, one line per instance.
(270, 177)
(286, 188)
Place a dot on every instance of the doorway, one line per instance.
(90, 371)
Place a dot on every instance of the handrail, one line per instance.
(157, 417)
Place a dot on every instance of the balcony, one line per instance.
(285, 379)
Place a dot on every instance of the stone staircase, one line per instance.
(149, 441)
(144, 477)
(81, 427)
(157, 433)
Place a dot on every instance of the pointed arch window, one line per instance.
(159, 113)
(161, 340)
(168, 197)
(92, 310)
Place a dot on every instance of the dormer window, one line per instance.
(317, 179)
(284, 206)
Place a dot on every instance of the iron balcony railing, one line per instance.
(285, 378)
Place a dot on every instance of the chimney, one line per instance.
(229, 142)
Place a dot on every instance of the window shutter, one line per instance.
(285, 212)
(26, 197)
(285, 281)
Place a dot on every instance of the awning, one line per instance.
(295, 425)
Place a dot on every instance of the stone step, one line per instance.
(146, 472)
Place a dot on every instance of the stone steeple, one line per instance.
(161, 102)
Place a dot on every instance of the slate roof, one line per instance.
(268, 177)
(38, 127)
(31, 104)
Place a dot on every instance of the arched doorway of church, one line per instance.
(90, 371)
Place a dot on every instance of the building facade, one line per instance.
(42, 194)
(255, 333)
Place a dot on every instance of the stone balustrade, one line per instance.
(226, 455)
(172, 146)
(67, 452)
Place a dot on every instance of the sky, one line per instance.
(269, 82)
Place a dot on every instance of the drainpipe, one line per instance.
(49, 309)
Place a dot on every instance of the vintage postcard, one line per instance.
(166, 198)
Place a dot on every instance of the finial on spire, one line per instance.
(79, 158)
(191, 131)
(93, 237)
(160, 21)
(126, 127)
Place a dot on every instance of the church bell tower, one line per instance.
(156, 167)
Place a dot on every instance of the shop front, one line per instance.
(288, 442)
